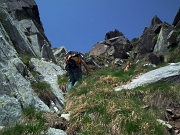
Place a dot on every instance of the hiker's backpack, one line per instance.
(73, 60)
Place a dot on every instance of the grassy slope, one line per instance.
(97, 109)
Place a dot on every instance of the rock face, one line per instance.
(48, 72)
(14, 83)
(21, 21)
(161, 44)
(98, 49)
(144, 43)
(21, 32)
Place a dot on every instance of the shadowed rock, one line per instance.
(177, 18)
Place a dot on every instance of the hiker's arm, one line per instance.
(85, 65)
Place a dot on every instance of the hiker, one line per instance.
(73, 68)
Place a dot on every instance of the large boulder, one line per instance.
(161, 44)
(154, 59)
(49, 72)
(121, 46)
(104, 53)
(172, 38)
(145, 44)
(98, 49)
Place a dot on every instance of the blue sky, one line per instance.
(79, 24)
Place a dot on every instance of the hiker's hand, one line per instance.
(88, 73)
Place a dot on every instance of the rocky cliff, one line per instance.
(22, 36)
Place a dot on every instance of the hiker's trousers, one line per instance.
(74, 75)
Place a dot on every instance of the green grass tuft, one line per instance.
(32, 123)
(43, 91)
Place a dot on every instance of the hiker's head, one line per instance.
(74, 53)
(70, 52)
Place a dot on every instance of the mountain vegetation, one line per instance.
(95, 108)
